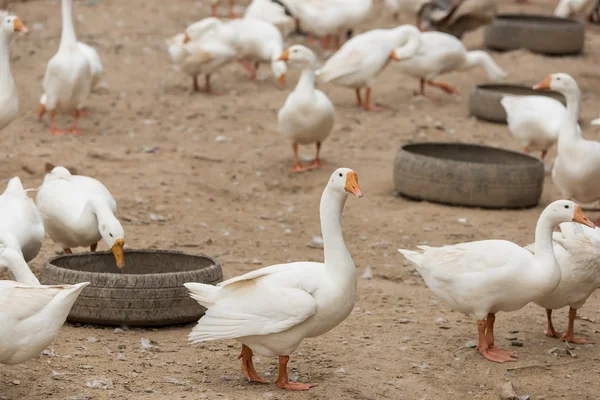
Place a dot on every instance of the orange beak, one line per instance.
(119, 253)
(186, 38)
(581, 218)
(394, 57)
(284, 56)
(545, 84)
(352, 185)
(281, 81)
(18, 26)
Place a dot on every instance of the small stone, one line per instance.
(516, 343)
(471, 344)
(368, 274)
(118, 331)
(92, 340)
(316, 242)
(16, 382)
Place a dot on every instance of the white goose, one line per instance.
(31, 315)
(19, 217)
(577, 250)
(9, 101)
(273, 13)
(362, 58)
(534, 121)
(79, 211)
(576, 170)
(205, 47)
(271, 310)
(97, 73)
(489, 276)
(571, 8)
(259, 42)
(68, 77)
(308, 115)
(440, 53)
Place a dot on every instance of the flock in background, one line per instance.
(271, 310)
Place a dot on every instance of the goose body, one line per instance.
(308, 115)
(577, 166)
(489, 276)
(205, 47)
(534, 121)
(79, 211)
(283, 304)
(440, 53)
(362, 58)
(20, 218)
(9, 101)
(31, 315)
(577, 250)
(572, 8)
(271, 12)
(68, 78)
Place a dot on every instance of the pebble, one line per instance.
(471, 344)
(368, 274)
(516, 343)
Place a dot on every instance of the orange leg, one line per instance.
(550, 328)
(67, 251)
(74, 129)
(489, 337)
(367, 104)
(248, 366)
(297, 167)
(94, 247)
(53, 129)
(444, 86)
(526, 150)
(207, 89)
(232, 13)
(358, 99)
(569, 335)
(282, 380)
(249, 68)
(41, 112)
(325, 42)
(311, 38)
(213, 10)
(316, 163)
(196, 87)
(544, 153)
(489, 352)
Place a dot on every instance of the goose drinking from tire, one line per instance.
(489, 276)
(271, 310)
(79, 211)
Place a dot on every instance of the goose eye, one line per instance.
(340, 174)
(566, 206)
(111, 235)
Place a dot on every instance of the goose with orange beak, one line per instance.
(284, 304)
(79, 211)
(576, 170)
(307, 115)
(9, 102)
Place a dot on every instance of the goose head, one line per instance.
(11, 24)
(560, 82)
(298, 56)
(566, 211)
(114, 236)
(345, 181)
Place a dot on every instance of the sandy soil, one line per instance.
(235, 200)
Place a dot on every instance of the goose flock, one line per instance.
(270, 311)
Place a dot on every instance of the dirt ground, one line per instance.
(234, 199)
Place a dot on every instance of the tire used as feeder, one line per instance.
(148, 292)
(468, 175)
(538, 33)
(484, 101)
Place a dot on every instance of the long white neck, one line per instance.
(306, 84)
(104, 214)
(407, 41)
(546, 263)
(569, 131)
(14, 261)
(484, 60)
(6, 79)
(68, 38)
(336, 254)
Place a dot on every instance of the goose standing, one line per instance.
(79, 211)
(31, 315)
(440, 53)
(259, 42)
(571, 8)
(489, 276)
(271, 310)
(97, 73)
(577, 250)
(68, 77)
(576, 169)
(20, 218)
(362, 58)
(308, 115)
(9, 101)
(273, 13)
(206, 46)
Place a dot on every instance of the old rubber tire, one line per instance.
(538, 33)
(468, 175)
(149, 292)
(484, 101)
